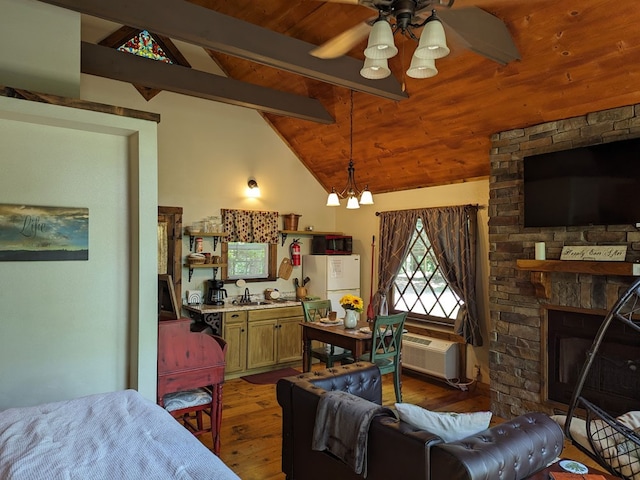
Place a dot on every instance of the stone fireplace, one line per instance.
(521, 311)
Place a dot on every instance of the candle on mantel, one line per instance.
(540, 251)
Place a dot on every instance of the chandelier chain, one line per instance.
(351, 129)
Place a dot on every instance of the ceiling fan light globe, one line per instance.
(433, 41)
(380, 43)
(352, 203)
(422, 67)
(333, 200)
(375, 69)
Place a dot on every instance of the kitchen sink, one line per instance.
(251, 304)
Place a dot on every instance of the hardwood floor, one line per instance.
(251, 420)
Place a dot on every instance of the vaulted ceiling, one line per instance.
(577, 56)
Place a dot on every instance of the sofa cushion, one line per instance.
(447, 425)
(186, 399)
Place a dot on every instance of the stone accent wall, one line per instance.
(516, 344)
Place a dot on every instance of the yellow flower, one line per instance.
(351, 302)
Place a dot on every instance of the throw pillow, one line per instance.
(630, 419)
(447, 425)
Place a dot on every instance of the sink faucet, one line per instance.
(246, 298)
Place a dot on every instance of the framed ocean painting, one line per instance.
(36, 233)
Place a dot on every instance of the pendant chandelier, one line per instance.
(350, 191)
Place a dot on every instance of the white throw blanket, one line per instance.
(342, 427)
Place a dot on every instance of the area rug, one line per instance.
(270, 377)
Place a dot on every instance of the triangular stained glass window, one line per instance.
(144, 45)
(148, 45)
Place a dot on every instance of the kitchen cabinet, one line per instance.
(274, 336)
(235, 333)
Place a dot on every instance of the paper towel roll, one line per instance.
(540, 251)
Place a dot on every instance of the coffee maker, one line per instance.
(215, 293)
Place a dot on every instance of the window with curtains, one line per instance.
(427, 267)
(420, 287)
(250, 250)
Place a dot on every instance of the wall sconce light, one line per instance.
(254, 189)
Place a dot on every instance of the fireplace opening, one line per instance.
(614, 378)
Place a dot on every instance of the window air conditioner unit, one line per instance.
(430, 355)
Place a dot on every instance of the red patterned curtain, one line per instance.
(250, 226)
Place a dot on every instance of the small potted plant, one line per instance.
(353, 307)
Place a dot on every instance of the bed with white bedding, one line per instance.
(117, 436)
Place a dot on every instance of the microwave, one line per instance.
(332, 245)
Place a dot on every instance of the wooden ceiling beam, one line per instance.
(110, 63)
(181, 20)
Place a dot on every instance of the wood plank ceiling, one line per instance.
(578, 56)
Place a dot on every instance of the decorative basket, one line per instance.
(291, 221)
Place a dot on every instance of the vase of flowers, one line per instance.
(353, 307)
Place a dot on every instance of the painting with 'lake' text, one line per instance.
(32, 233)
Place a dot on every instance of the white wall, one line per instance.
(39, 48)
(363, 224)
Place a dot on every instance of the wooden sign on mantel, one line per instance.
(597, 253)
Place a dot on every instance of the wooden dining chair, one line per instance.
(386, 343)
(314, 310)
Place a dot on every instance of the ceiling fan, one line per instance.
(474, 28)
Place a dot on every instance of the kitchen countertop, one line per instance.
(230, 307)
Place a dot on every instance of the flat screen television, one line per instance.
(594, 185)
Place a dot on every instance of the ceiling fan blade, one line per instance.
(342, 43)
(482, 33)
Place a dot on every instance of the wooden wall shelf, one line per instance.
(214, 266)
(540, 270)
(216, 236)
(308, 233)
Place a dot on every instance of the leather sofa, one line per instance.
(512, 450)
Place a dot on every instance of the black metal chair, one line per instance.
(611, 443)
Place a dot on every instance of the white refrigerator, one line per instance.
(332, 277)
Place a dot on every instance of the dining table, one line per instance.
(357, 340)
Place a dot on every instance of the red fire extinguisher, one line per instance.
(294, 250)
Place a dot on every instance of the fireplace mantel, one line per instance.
(541, 270)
